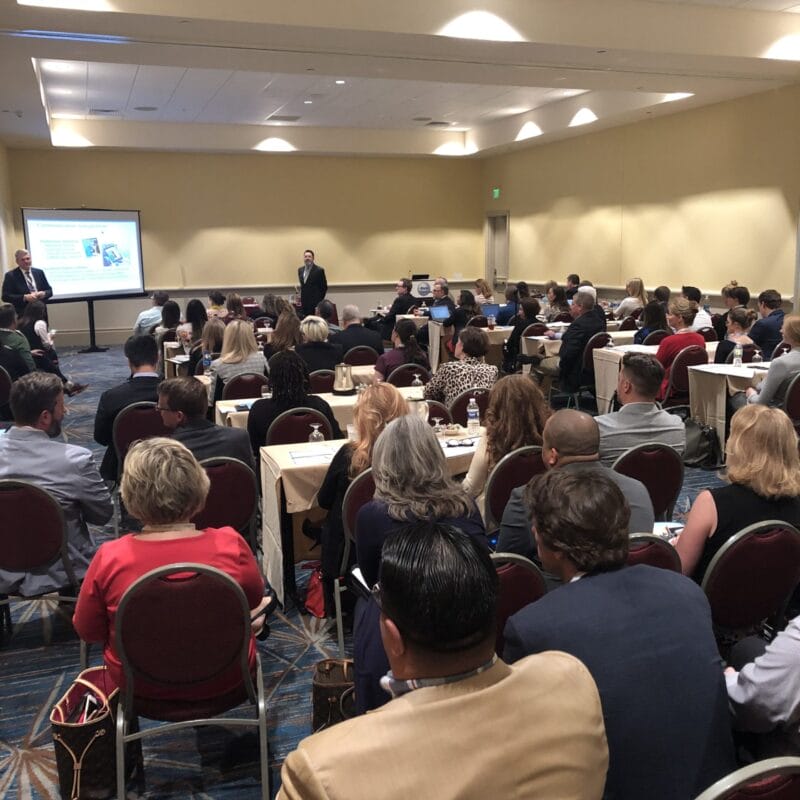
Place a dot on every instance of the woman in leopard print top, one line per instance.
(468, 371)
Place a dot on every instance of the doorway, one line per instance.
(496, 239)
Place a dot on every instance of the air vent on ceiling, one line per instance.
(437, 124)
(283, 118)
(145, 108)
(422, 119)
(98, 112)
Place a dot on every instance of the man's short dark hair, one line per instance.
(308, 250)
(530, 307)
(8, 315)
(141, 350)
(159, 298)
(439, 587)
(325, 309)
(523, 290)
(644, 372)
(583, 515)
(474, 341)
(407, 285)
(217, 297)
(574, 279)
(662, 294)
(185, 394)
(32, 394)
(692, 293)
(770, 298)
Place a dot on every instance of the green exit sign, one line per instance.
(496, 193)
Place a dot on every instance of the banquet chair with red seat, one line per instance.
(655, 337)
(660, 468)
(646, 548)
(521, 583)
(321, 381)
(186, 649)
(535, 329)
(294, 426)
(771, 779)
(478, 321)
(244, 386)
(628, 324)
(678, 385)
(514, 469)
(404, 374)
(361, 356)
(458, 408)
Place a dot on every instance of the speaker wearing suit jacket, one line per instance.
(15, 287)
(312, 287)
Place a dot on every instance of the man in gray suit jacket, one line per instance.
(29, 452)
(570, 442)
(639, 420)
(183, 403)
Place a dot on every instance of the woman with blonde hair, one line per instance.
(680, 316)
(315, 349)
(483, 292)
(515, 417)
(763, 474)
(637, 298)
(210, 342)
(240, 355)
(412, 482)
(375, 408)
(163, 487)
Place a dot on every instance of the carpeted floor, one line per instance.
(210, 763)
(204, 762)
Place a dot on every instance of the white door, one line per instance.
(496, 236)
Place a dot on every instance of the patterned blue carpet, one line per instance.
(210, 763)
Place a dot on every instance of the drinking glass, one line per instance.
(438, 428)
(316, 435)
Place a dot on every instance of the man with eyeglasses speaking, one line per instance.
(462, 723)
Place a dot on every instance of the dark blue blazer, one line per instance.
(645, 635)
(766, 332)
(15, 287)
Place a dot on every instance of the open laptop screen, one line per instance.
(440, 313)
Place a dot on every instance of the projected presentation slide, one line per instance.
(86, 254)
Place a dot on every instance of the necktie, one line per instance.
(29, 281)
(305, 274)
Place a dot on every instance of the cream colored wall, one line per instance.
(243, 221)
(693, 198)
(6, 215)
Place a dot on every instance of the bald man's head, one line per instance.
(572, 433)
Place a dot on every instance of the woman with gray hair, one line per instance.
(163, 487)
(412, 483)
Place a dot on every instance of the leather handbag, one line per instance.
(82, 724)
(333, 695)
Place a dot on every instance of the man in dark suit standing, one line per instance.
(25, 284)
(354, 334)
(313, 285)
(142, 386)
(644, 634)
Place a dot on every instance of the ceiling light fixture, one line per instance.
(72, 5)
(583, 116)
(59, 67)
(66, 137)
(61, 91)
(528, 131)
(68, 37)
(340, 83)
(671, 97)
(274, 145)
(481, 25)
(307, 102)
(785, 49)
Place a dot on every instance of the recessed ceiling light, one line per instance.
(58, 67)
(74, 5)
(307, 102)
(274, 145)
(60, 90)
(673, 96)
(481, 25)
(340, 83)
(528, 131)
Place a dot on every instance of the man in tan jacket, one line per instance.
(462, 724)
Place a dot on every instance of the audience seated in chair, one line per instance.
(240, 354)
(644, 634)
(354, 334)
(653, 318)
(763, 472)
(680, 315)
(286, 336)
(29, 451)
(142, 386)
(150, 316)
(315, 349)
(210, 342)
(401, 304)
(772, 389)
(528, 315)
(438, 596)
(702, 318)
(766, 332)
(468, 371)
(406, 350)
(411, 483)
(13, 339)
(327, 311)
(515, 417)
(164, 487)
(290, 389)
(183, 403)
(639, 420)
(570, 442)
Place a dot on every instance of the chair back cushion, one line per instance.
(361, 356)
(134, 422)
(404, 374)
(653, 551)
(537, 329)
(628, 324)
(321, 381)
(5, 386)
(709, 334)
(513, 470)
(598, 340)
(232, 497)
(458, 408)
(655, 337)
(521, 583)
(438, 410)
(753, 574)
(244, 386)
(659, 468)
(564, 316)
(781, 349)
(359, 493)
(478, 321)
(691, 356)
(31, 527)
(294, 426)
(791, 400)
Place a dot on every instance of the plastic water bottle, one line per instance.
(737, 355)
(473, 418)
(206, 359)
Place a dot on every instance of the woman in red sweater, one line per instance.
(680, 315)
